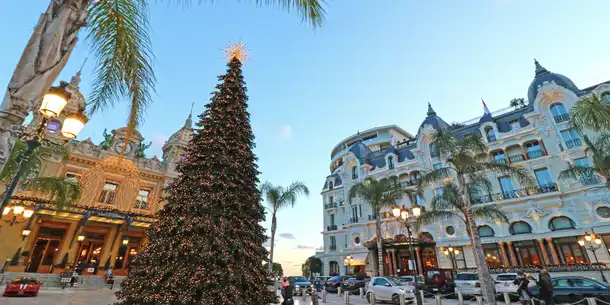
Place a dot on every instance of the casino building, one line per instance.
(106, 227)
(544, 223)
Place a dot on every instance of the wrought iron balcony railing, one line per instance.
(562, 118)
(573, 143)
(515, 194)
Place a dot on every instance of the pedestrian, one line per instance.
(545, 286)
(287, 292)
(525, 297)
(314, 298)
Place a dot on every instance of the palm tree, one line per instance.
(380, 194)
(600, 153)
(279, 197)
(118, 32)
(465, 177)
(592, 112)
(60, 191)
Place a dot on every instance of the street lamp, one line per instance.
(402, 216)
(52, 104)
(125, 240)
(592, 243)
(452, 253)
(348, 262)
(81, 237)
(17, 211)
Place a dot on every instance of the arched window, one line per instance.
(390, 162)
(429, 258)
(433, 151)
(354, 172)
(333, 267)
(486, 231)
(520, 227)
(561, 223)
(426, 237)
(490, 134)
(603, 212)
(559, 112)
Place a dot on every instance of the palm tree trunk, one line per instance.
(45, 55)
(487, 285)
(273, 227)
(380, 270)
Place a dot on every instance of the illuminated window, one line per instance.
(109, 193)
(142, 200)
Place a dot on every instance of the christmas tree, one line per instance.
(207, 246)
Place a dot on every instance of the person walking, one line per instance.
(525, 297)
(545, 286)
(287, 292)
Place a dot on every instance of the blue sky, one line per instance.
(373, 63)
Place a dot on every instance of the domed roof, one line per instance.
(434, 120)
(542, 75)
(183, 135)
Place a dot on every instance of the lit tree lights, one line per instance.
(206, 247)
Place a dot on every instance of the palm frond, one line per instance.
(436, 216)
(449, 200)
(592, 112)
(489, 212)
(279, 197)
(118, 31)
(521, 174)
(575, 171)
(434, 176)
(60, 191)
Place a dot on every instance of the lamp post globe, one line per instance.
(54, 102)
(72, 126)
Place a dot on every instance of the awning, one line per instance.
(359, 259)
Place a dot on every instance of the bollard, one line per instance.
(346, 297)
(323, 294)
(422, 296)
(372, 298)
(591, 301)
(362, 292)
(438, 299)
(339, 291)
(507, 298)
(304, 295)
(460, 297)
(401, 299)
(479, 300)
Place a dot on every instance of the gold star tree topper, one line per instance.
(236, 50)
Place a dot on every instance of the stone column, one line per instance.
(513, 256)
(108, 241)
(523, 151)
(395, 262)
(545, 255)
(503, 254)
(66, 247)
(418, 261)
(555, 259)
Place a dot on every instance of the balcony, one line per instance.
(534, 154)
(352, 220)
(409, 183)
(561, 118)
(332, 248)
(372, 217)
(590, 180)
(516, 158)
(506, 195)
(491, 138)
(331, 228)
(330, 205)
(499, 161)
(573, 143)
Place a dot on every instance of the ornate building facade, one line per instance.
(544, 223)
(119, 198)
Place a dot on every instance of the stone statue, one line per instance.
(142, 149)
(105, 145)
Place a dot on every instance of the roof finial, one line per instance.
(358, 137)
(75, 81)
(189, 119)
(539, 68)
(431, 111)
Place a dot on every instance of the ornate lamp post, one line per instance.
(348, 262)
(402, 216)
(592, 243)
(18, 214)
(452, 253)
(52, 105)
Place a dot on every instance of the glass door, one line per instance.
(43, 255)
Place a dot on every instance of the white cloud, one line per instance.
(284, 132)
(304, 247)
(287, 236)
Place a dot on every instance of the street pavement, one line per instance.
(106, 296)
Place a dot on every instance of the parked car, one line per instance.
(440, 281)
(23, 286)
(468, 283)
(410, 281)
(353, 284)
(388, 288)
(320, 281)
(301, 285)
(333, 283)
(571, 289)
